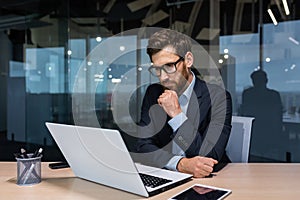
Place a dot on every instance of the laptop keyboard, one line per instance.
(153, 181)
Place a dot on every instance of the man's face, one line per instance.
(176, 81)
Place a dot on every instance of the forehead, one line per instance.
(166, 55)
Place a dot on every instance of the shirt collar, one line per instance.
(186, 95)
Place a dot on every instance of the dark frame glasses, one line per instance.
(169, 68)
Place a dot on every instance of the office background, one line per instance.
(44, 43)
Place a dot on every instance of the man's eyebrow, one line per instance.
(169, 63)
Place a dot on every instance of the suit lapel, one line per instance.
(195, 102)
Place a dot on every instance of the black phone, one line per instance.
(59, 165)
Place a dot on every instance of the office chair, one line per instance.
(239, 141)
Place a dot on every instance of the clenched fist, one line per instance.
(169, 102)
(198, 166)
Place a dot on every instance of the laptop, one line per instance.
(100, 155)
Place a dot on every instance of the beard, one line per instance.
(179, 82)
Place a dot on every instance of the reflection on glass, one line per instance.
(45, 70)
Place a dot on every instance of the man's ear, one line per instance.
(189, 59)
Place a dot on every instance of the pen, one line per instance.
(210, 175)
(23, 153)
(37, 153)
(18, 155)
(28, 173)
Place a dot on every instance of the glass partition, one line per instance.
(58, 55)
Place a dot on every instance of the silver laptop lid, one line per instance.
(97, 156)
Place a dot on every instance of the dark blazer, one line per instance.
(205, 132)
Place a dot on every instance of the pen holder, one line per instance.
(29, 170)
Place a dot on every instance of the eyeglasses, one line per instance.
(169, 68)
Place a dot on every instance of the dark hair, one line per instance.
(259, 78)
(259, 75)
(166, 37)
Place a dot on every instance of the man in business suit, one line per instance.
(185, 122)
(264, 104)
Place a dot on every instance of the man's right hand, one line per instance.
(169, 102)
(198, 166)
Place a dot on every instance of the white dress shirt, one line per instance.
(177, 121)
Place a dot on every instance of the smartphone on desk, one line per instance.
(202, 192)
(58, 165)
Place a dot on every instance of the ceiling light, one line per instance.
(293, 66)
(116, 80)
(294, 41)
(99, 76)
(286, 7)
(272, 17)
(122, 48)
(257, 68)
(98, 39)
(98, 79)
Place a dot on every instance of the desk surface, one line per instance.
(291, 118)
(247, 181)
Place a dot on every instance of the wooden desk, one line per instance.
(247, 181)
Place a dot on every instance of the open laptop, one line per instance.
(100, 155)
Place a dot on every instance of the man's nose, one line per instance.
(163, 75)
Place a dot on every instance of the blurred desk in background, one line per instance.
(291, 118)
